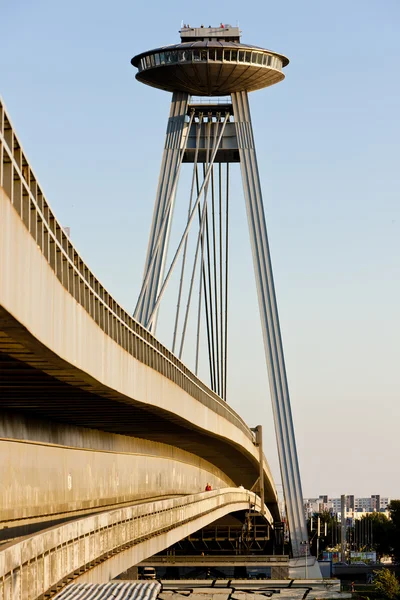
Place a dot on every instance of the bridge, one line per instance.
(112, 449)
(107, 439)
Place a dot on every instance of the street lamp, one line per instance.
(305, 543)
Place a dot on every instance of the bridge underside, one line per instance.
(57, 364)
(96, 417)
(29, 392)
(33, 391)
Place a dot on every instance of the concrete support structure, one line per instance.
(109, 414)
(96, 413)
(278, 384)
(93, 471)
(163, 208)
(211, 62)
(44, 352)
(98, 548)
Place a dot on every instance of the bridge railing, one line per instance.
(215, 560)
(22, 188)
(36, 567)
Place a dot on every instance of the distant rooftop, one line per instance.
(224, 32)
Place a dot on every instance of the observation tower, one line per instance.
(210, 73)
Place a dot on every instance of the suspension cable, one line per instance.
(208, 263)
(203, 279)
(186, 231)
(200, 236)
(201, 231)
(198, 322)
(198, 131)
(214, 246)
(165, 219)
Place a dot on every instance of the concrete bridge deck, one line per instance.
(96, 415)
(88, 394)
(97, 548)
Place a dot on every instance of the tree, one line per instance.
(394, 508)
(387, 584)
(324, 541)
(381, 532)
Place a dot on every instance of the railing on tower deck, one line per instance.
(243, 55)
(21, 186)
(213, 100)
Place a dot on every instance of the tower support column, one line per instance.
(270, 324)
(163, 207)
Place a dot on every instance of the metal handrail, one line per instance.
(206, 100)
(158, 560)
(13, 158)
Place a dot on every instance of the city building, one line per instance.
(355, 507)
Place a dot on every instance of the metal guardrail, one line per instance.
(215, 559)
(223, 100)
(22, 188)
(39, 566)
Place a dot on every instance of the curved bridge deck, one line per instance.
(71, 354)
(99, 547)
(96, 413)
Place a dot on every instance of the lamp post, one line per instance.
(305, 544)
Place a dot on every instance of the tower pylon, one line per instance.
(211, 135)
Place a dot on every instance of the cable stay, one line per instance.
(195, 138)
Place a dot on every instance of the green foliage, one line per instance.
(387, 584)
(324, 541)
(382, 532)
(394, 508)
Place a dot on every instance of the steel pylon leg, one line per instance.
(270, 324)
(163, 208)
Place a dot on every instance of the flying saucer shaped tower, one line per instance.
(211, 131)
(210, 62)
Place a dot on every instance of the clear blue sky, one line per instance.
(328, 146)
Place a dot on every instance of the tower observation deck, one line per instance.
(210, 61)
(209, 135)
